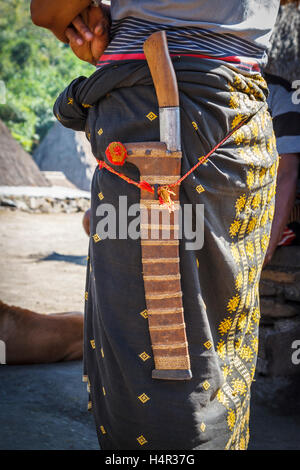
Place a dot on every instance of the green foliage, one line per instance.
(35, 67)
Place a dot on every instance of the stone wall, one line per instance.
(44, 204)
(280, 310)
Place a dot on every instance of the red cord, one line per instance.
(147, 187)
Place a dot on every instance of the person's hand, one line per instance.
(89, 34)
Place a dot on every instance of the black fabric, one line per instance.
(276, 80)
(219, 281)
(287, 124)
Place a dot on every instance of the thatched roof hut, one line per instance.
(284, 56)
(17, 167)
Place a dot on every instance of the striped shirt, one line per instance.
(284, 106)
(129, 34)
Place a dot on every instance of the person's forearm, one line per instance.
(56, 15)
(285, 199)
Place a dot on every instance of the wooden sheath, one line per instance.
(160, 166)
(160, 260)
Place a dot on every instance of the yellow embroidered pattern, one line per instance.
(234, 228)
(240, 204)
(226, 370)
(239, 386)
(208, 344)
(256, 201)
(151, 116)
(144, 356)
(249, 230)
(250, 179)
(102, 430)
(202, 427)
(234, 101)
(252, 225)
(225, 325)
(239, 281)
(222, 398)
(96, 238)
(143, 398)
(231, 419)
(141, 440)
(233, 303)
(200, 189)
(237, 119)
(144, 314)
(221, 349)
(246, 353)
(206, 385)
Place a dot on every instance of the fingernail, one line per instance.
(79, 42)
(89, 36)
(99, 30)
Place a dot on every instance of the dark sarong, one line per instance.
(219, 282)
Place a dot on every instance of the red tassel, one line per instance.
(146, 186)
(116, 153)
(164, 197)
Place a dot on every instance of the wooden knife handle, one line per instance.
(162, 70)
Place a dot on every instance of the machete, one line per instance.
(159, 164)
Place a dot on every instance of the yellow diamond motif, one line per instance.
(96, 238)
(200, 189)
(202, 426)
(93, 343)
(70, 101)
(102, 430)
(85, 105)
(208, 344)
(86, 295)
(195, 125)
(144, 356)
(100, 196)
(144, 313)
(103, 390)
(141, 440)
(143, 398)
(151, 116)
(206, 385)
(89, 405)
(102, 352)
(100, 132)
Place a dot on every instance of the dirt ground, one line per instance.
(42, 262)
